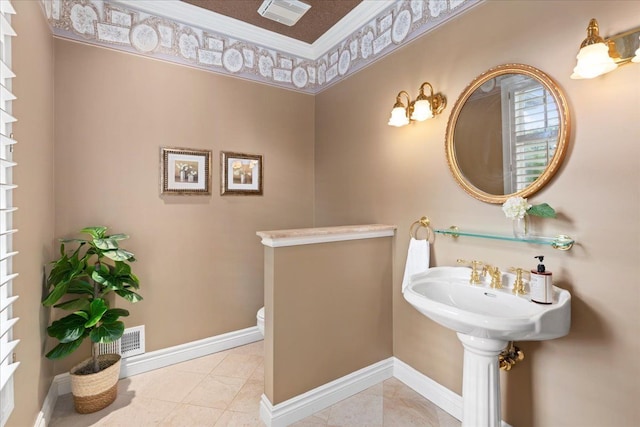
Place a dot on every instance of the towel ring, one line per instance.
(415, 227)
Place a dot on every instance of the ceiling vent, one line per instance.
(286, 12)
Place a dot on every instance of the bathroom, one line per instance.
(92, 120)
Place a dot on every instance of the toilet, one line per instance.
(260, 318)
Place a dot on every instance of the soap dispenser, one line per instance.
(540, 285)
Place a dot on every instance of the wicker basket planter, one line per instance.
(93, 392)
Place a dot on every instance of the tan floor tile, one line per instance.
(409, 412)
(361, 410)
(238, 365)
(239, 419)
(139, 412)
(376, 390)
(201, 365)
(447, 420)
(256, 348)
(318, 419)
(167, 384)
(258, 373)
(248, 398)
(192, 416)
(215, 392)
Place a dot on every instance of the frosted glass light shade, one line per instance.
(593, 61)
(637, 57)
(422, 110)
(398, 117)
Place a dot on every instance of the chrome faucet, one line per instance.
(475, 274)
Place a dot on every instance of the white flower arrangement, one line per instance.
(518, 207)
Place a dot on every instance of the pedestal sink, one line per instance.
(485, 320)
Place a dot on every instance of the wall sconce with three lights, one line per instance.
(598, 56)
(424, 107)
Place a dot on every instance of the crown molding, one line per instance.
(353, 21)
(181, 33)
(187, 13)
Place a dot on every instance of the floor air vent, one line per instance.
(131, 343)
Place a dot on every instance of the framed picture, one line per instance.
(185, 171)
(241, 174)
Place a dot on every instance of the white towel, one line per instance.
(417, 260)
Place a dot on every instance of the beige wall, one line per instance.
(199, 260)
(33, 63)
(328, 312)
(369, 172)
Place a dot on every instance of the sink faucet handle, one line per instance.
(475, 274)
(518, 285)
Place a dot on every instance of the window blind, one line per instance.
(531, 125)
(8, 343)
(536, 133)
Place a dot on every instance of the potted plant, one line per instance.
(80, 282)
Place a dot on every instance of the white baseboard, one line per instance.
(322, 397)
(154, 360)
(434, 392)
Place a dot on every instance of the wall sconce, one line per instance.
(423, 108)
(599, 56)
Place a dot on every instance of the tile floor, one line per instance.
(224, 389)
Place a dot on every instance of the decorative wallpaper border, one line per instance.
(108, 24)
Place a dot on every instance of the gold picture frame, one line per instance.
(240, 174)
(185, 171)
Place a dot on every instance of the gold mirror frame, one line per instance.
(563, 134)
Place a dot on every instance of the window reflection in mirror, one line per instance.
(507, 133)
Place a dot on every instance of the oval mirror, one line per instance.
(508, 133)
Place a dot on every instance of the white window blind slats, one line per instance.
(5, 71)
(6, 372)
(5, 117)
(7, 279)
(6, 8)
(8, 255)
(6, 327)
(5, 27)
(5, 95)
(8, 342)
(7, 303)
(6, 140)
(8, 349)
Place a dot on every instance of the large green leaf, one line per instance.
(106, 244)
(542, 210)
(64, 349)
(118, 255)
(107, 332)
(129, 295)
(119, 236)
(121, 269)
(95, 232)
(97, 308)
(74, 304)
(103, 276)
(80, 287)
(58, 292)
(113, 314)
(67, 329)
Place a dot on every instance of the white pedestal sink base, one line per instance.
(481, 381)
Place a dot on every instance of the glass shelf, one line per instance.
(561, 242)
